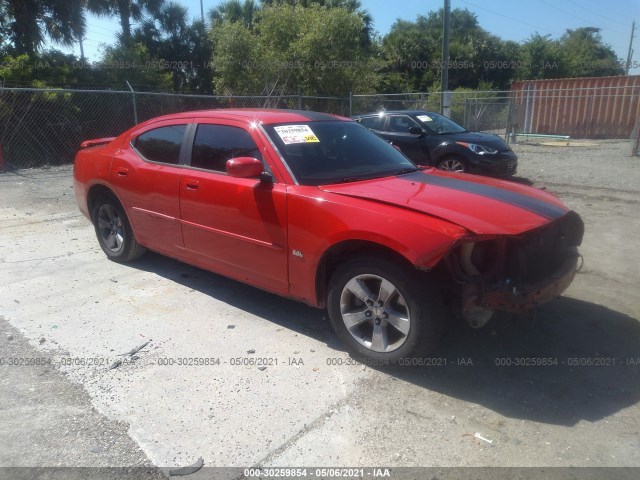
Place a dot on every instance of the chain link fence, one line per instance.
(602, 112)
(485, 110)
(41, 127)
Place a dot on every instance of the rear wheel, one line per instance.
(453, 164)
(383, 311)
(114, 230)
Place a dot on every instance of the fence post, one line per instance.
(299, 98)
(3, 164)
(133, 99)
(636, 139)
(350, 104)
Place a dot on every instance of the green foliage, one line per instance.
(578, 53)
(134, 64)
(236, 49)
(541, 57)
(234, 11)
(414, 50)
(586, 55)
(125, 10)
(183, 48)
(276, 47)
(315, 49)
(28, 24)
(46, 69)
(16, 70)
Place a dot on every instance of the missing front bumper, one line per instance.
(524, 298)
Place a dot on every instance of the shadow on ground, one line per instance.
(521, 180)
(592, 353)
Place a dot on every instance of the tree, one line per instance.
(235, 51)
(317, 49)
(414, 50)
(234, 11)
(411, 55)
(586, 55)
(133, 63)
(578, 53)
(351, 6)
(125, 10)
(29, 22)
(541, 57)
(183, 47)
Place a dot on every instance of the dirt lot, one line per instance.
(62, 301)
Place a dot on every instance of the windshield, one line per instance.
(320, 153)
(439, 123)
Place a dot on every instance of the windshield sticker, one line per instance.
(425, 118)
(296, 134)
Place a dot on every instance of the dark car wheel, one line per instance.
(383, 311)
(453, 164)
(114, 231)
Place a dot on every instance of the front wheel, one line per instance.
(453, 164)
(384, 311)
(114, 230)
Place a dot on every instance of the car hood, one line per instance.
(484, 139)
(479, 204)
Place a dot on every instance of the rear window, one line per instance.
(161, 144)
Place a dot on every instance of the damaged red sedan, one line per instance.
(317, 208)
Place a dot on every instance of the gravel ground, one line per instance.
(594, 163)
(56, 284)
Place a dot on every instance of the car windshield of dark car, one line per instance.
(321, 153)
(439, 123)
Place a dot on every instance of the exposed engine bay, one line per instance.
(516, 274)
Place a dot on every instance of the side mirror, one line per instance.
(244, 167)
(415, 131)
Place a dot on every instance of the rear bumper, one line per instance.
(518, 300)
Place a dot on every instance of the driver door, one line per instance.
(411, 144)
(235, 226)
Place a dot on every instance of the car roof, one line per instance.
(393, 112)
(264, 116)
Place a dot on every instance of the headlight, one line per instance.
(479, 149)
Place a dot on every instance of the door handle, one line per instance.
(192, 185)
(122, 171)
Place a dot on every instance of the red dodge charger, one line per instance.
(317, 208)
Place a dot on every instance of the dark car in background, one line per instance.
(429, 138)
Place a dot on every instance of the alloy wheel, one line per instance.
(375, 313)
(111, 228)
(452, 165)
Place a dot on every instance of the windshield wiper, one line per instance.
(406, 170)
(351, 179)
(373, 177)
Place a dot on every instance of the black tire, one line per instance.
(414, 297)
(114, 230)
(453, 163)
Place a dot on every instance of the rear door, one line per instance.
(236, 226)
(146, 177)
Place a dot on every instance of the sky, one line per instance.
(508, 19)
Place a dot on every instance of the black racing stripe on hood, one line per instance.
(535, 205)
